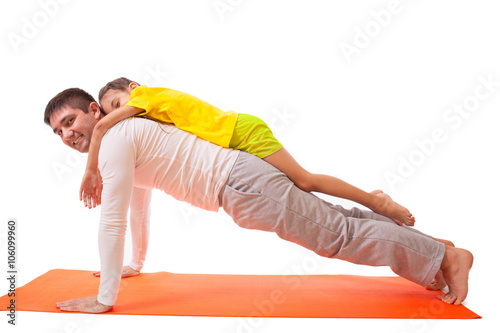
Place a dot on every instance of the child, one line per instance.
(123, 98)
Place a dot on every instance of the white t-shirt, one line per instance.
(136, 156)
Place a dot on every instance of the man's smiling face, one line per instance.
(74, 126)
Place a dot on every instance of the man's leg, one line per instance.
(359, 213)
(368, 214)
(258, 196)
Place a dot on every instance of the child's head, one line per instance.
(116, 93)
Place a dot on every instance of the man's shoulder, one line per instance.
(140, 130)
(128, 122)
(132, 124)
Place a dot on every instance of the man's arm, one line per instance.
(140, 213)
(139, 225)
(117, 163)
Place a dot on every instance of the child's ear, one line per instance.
(133, 85)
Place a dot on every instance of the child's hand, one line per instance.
(91, 188)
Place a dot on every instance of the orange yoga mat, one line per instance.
(305, 296)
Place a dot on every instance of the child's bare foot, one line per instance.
(392, 209)
(444, 241)
(456, 266)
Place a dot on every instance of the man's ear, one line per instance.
(133, 85)
(95, 110)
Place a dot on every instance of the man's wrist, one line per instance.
(103, 307)
(101, 304)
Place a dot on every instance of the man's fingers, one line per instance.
(88, 304)
(71, 305)
(69, 308)
(62, 304)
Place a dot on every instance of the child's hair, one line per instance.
(117, 84)
(73, 97)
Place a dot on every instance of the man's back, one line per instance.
(186, 167)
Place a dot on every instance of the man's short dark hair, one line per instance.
(73, 97)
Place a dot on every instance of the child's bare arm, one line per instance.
(90, 190)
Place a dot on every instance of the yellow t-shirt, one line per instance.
(185, 111)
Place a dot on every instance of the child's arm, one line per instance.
(90, 190)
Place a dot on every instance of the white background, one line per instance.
(356, 117)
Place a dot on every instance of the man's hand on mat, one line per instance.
(91, 189)
(127, 271)
(88, 304)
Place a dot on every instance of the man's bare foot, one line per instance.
(455, 267)
(392, 209)
(438, 283)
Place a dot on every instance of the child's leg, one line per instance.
(378, 202)
(252, 135)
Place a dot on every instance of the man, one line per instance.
(138, 155)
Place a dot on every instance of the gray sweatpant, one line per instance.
(258, 196)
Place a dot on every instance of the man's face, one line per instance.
(113, 99)
(75, 127)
